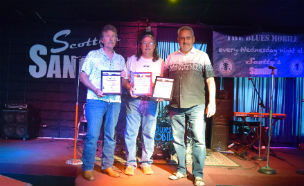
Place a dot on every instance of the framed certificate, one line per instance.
(142, 83)
(163, 88)
(111, 82)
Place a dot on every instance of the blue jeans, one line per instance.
(197, 126)
(144, 113)
(95, 111)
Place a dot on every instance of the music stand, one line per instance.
(259, 157)
(267, 169)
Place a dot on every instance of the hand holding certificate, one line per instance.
(163, 88)
(111, 82)
(142, 83)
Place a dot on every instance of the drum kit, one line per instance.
(163, 148)
(164, 139)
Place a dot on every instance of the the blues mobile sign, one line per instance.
(251, 55)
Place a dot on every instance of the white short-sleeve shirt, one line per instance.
(144, 65)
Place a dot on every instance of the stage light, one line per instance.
(173, 1)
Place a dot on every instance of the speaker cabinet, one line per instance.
(219, 137)
(17, 123)
(224, 112)
(221, 124)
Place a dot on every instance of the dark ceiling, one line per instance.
(286, 14)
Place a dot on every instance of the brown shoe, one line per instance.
(111, 172)
(147, 170)
(129, 170)
(88, 175)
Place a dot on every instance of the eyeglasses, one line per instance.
(185, 38)
(147, 43)
(110, 37)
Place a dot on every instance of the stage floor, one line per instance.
(45, 158)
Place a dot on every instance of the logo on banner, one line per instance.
(226, 67)
(296, 68)
(54, 62)
(163, 133)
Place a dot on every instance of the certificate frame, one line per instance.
(142, 82)
(111, 82)
(163, 88)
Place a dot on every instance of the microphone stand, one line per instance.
(300, 171)
(267, 169)
(259, 158)
(75, 161)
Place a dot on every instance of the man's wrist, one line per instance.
(95, 90)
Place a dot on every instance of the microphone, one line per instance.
(272, 67)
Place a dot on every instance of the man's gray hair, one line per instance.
(107, 28)
(185, 28)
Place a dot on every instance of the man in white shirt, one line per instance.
(142, 110)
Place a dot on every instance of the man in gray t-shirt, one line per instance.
(190, 68)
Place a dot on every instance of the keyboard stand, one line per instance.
(247, 136)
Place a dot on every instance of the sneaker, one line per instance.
(147, 170)
(177, 176)
(198, 181)
(129, 170)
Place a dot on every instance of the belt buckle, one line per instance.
(144, 98)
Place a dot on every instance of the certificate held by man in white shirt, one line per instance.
(142, 83)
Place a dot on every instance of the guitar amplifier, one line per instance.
(15, 106)
(18, 122)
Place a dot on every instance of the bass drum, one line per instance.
(163, 148)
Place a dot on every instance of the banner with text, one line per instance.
(57, 54)
(255, 55)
